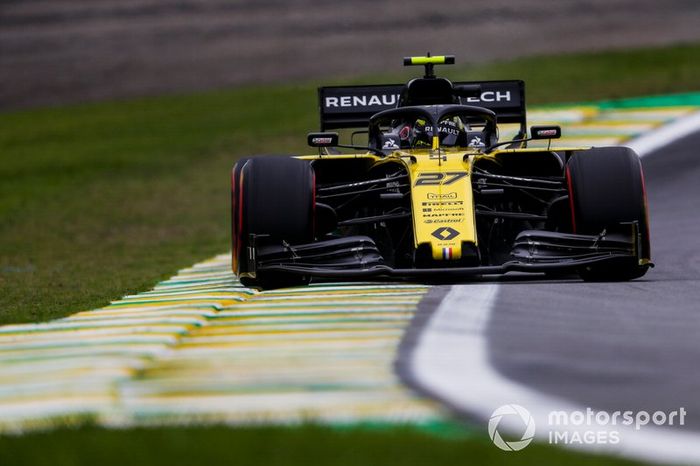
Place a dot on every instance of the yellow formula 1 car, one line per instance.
(434, 193)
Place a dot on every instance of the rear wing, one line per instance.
(352, 106)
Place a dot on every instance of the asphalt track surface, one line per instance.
(66, 51)
(618, 346)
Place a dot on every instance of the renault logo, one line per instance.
(445, 233)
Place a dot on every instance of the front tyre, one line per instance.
(272, 196)
(606, 188)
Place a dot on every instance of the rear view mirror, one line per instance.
(322, 139)
(545, 132)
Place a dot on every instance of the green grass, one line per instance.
(101, 200)
(271, 446)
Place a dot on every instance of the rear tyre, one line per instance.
(606, 187)
(273, 196)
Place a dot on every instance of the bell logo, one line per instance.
(445, 233)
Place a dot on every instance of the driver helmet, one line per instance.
(451, 131)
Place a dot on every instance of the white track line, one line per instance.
(450, 359)
(650, 142)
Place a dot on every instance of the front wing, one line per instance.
(358, 257)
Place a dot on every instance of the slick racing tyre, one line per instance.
(606, 188)
(272, 196)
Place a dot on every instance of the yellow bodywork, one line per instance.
(442, 199)
(442, 202)
(441, 196)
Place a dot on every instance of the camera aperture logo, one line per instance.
(579, 427)
(511, 413)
